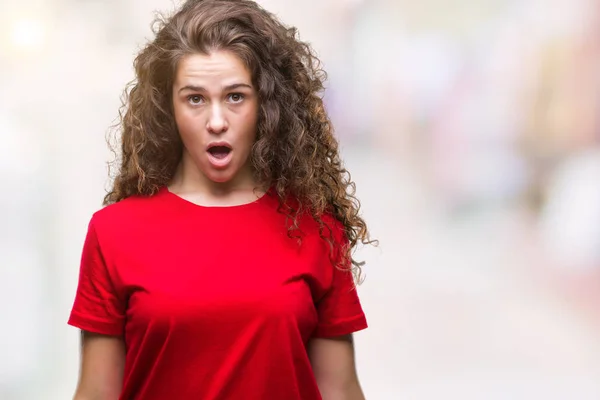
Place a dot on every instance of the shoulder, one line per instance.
(127, 212)
(331, 227)
(325, 224)
(333, 223)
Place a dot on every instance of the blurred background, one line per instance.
(471, 127)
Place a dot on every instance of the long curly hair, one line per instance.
(295, 153)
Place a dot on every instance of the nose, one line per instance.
(217, 121)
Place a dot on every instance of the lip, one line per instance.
(219, 163)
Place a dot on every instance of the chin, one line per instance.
(219, 177)
(220, 180)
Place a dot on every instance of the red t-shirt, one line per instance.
(212, 302)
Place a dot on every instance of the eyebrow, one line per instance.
(196, 88)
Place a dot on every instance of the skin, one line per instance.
(334, 367)
(102, 366)
(213, 100)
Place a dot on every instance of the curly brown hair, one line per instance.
(295, 153)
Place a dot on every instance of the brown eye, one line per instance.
(195, 100)
(236, 98)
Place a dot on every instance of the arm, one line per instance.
(102, 365)
(333, 364)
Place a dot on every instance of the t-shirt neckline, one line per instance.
(168, 194)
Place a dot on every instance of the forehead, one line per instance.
(219, 66)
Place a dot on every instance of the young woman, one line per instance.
(221, 266)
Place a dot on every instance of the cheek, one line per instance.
(187, 125)
(250, 121)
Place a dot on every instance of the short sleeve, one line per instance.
(340, 311)
(97, 307)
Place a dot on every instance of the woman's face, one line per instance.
(216, 111)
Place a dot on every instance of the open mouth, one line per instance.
(219, 152)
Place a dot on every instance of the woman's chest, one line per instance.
(197, 284)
